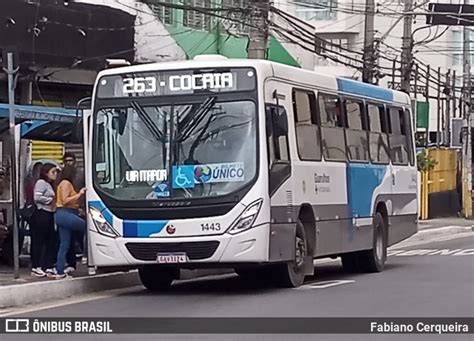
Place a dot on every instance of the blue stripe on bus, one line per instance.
(142, 229)
(131, 228)
(361, 89)
(362, 180)
(99, 205)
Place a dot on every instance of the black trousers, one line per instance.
(43, 240)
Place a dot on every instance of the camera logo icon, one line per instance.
(17, 325)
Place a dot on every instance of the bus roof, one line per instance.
(282, 71)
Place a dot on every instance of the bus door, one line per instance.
(403, 168)
(369, 171)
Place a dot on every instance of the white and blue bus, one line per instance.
(245, 164)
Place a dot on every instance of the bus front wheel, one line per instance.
(292, 274)
(155, 277)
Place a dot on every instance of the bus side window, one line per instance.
(332, 127)
(308, 136)
(356, 135)
(378, 134)
(398, 136)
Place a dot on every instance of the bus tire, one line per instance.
(292, 274)
(350, 262)
(374, 260)
(155, 278)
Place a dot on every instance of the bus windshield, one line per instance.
(175, 150)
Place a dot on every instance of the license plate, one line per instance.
(171, 258)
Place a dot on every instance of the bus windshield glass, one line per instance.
(206, 147)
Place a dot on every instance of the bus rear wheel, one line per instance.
(372, 260)
(292, 274)
(155, 277)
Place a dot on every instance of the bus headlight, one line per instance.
(247, 218)
(101, 224)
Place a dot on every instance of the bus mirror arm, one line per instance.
(77, 136)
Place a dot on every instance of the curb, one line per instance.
(39, 292)
(17, 295)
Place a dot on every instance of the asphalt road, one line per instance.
(437, 280)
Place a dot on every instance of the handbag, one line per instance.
(28, 211)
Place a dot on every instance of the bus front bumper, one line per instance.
(251, 246)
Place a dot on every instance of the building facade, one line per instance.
(341, 23)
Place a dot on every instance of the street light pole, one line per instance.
(467, 148)
(11, 71)
(258, 38)
(369, 53)
(407, 46)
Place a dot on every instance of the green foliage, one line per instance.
(425, 162)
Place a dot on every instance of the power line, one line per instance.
(296, 23)
(432, 39)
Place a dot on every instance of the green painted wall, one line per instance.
(196, 42)
(201, 42)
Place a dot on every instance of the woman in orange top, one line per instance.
(67, 215)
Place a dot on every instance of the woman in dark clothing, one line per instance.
(43, 229)
(29, 203)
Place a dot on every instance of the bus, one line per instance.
(245, 164)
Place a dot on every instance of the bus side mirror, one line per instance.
(280, 122)
(77, 131)
(120, 122)
(277, 121)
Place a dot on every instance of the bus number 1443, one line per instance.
(211, 227)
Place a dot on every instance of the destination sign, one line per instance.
(161, 83)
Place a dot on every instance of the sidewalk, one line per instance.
(6, 273)
(30, 290)
(444, 222)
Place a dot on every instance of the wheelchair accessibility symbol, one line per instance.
(183, 177)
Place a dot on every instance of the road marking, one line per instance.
(432, 252)
(324, 284)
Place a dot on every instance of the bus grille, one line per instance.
(194, 250)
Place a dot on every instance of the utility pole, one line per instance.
(11, 72)
(258, 38)
(449, 95)
(407, 46)
(369, 53)
(467, 148)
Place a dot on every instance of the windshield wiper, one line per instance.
(224, 128)
(189, 125)
(146, 119)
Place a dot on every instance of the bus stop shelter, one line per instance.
(32, 123)
(41, 123)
